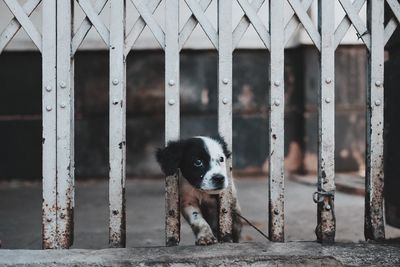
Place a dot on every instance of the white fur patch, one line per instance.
(216, 166)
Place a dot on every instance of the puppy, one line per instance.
(202, 163)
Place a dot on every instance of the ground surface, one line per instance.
(20, 214)
(244, 254)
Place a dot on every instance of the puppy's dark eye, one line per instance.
(221, 159)
(198, 163)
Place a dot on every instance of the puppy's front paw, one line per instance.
(205, 240)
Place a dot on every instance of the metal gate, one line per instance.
(58, 43)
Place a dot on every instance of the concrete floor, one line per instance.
(20, 214)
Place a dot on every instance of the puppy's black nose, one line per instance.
(218, 179)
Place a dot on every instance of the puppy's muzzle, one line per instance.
(218, 181)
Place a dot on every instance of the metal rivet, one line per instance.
(48, 88)
(328, 80)
(225, 80)
(378, 83)
(225, 100)
(63, 85)
(171, 82)
(277, 102)
(277, 83)
(171, 102)
(115, 81)
(115, 101)
(328, 207)
(377, 102)
(62, 215)
(48, 220)
(276, 211)
(328, 100)
(63, 105)
(48, 108)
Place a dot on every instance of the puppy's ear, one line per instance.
(170, 157)
(222, 142)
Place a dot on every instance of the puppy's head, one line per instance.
(202, 161)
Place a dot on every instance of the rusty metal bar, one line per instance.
(117, 229)
(49, 130)
(172, 118)
(374, 228)
(65, 125)
(326, 223)
(225, 110)
(276, 122)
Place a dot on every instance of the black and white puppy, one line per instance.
(202, 163)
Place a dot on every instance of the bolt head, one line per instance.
(277, 102)
(276, 211)
(225, 101)
(63, 84)
(328, 100)
(48, 108)
(328, 80)
(48, 220)
(48, 88)
(225, 81)
(328, 207)
(63, 105)
(62, 215)
(115, 81)
(377, 102)
(171, 102)
(115, 101)
(277, 83)
(378, 83)
(171, 82)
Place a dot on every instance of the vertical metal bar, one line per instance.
(225, 110)
(49, 127)
(65, 124)
(172, 119)
(276, 122)
(374, 228)
(326, 224)
(117, 234)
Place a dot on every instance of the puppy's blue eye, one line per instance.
(198, 163)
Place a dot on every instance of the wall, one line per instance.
(20, 109)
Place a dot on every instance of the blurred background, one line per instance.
(20, 100)
(20, 122)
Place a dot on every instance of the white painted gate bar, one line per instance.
(117, 145)
(326, 224)
(225, 110)
(374, 223)
(276, 122)
(172, 118)
(65, 124)
(49, 132)
(14, 25)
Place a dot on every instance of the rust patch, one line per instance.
(225, 202)
(121, 144)
(326, 225)
(172, 214)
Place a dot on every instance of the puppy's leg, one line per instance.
(201, 229)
